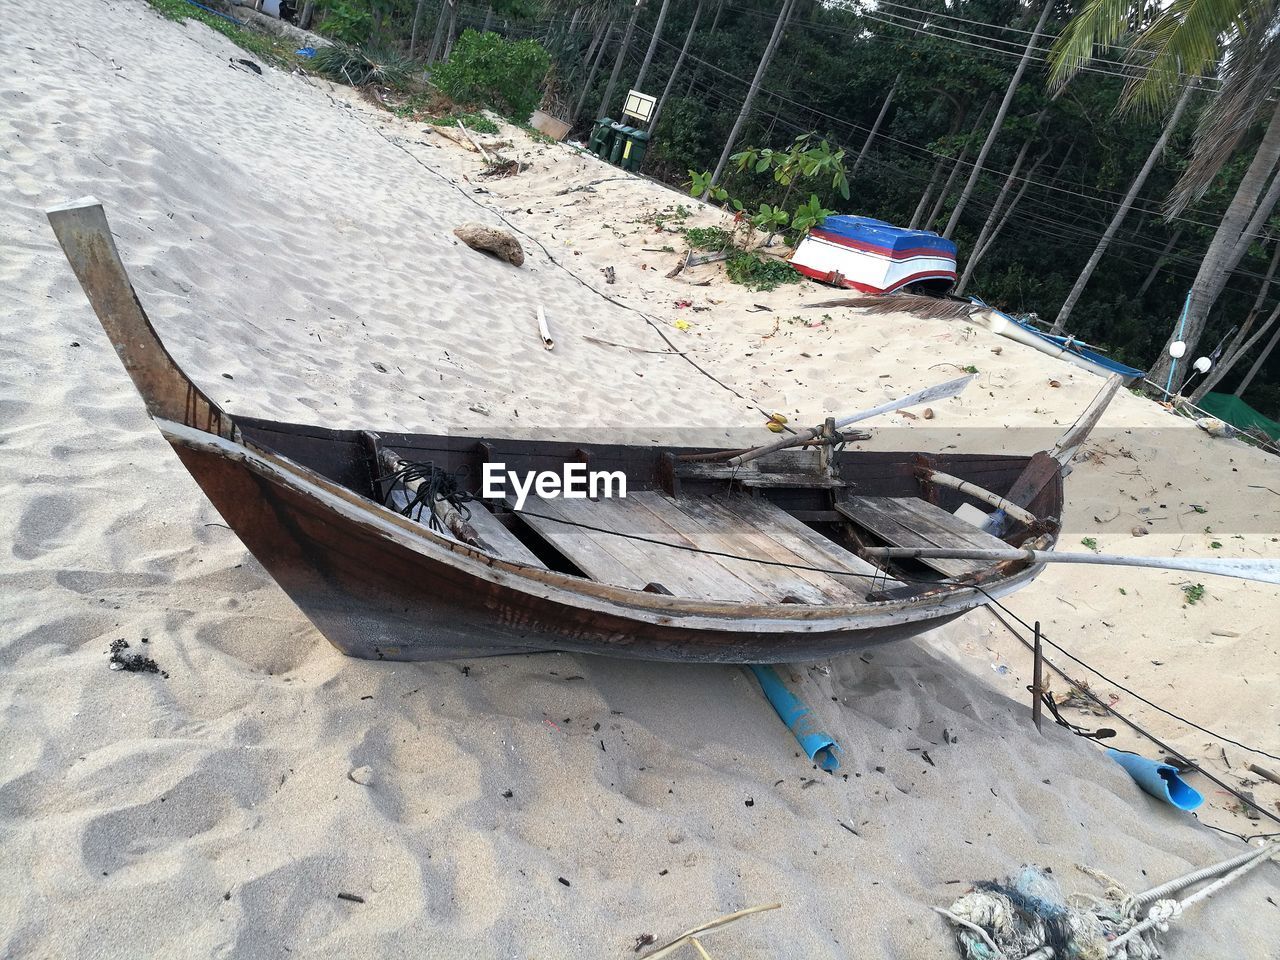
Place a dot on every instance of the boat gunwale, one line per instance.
(581, 592)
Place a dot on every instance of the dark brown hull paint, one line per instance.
(378, 599)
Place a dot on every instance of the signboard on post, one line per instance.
(639, 106)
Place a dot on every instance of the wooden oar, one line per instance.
(1263, 571)
(940, 392)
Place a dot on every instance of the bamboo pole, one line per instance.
(981, 493)
(1262, 571)
(940, 392)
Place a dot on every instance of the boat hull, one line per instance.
(875, 257)
(375, 593)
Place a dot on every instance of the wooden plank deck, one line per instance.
(505, 543)
(912, 522)
(748, 529)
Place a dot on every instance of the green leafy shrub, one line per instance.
(346, 63)
(759, 273)
(708, 238)
(504, 74)
(345, 22)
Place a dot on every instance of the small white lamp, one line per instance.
(1177, 349)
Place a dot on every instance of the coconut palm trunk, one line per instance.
(928, 193)
(875, 127)
(1160, 262)
(994, 215)
(623, 50)
(441, 19)
(591, 75)
(976, 172)
(766, 58)
(417, 22)
(450, 30)
(1229, 243)
(1262, 357)
(957, 167)
(1122, 212)
(653, 45)
(675, 70)
(1239, 345)
(980, 251)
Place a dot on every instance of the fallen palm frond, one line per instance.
(359, 67)
(690, 936)
(915, 304)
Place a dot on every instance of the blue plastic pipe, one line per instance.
(1161, 780)
(819, 747)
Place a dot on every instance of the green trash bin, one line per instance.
(621, 134)
(601, 134)
(633, 153)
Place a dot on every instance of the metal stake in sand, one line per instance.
(1037, 684)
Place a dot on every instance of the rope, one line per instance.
(434, 486)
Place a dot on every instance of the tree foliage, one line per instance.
(504, 74)
(944, 60)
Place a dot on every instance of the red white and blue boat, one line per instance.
(876, 257)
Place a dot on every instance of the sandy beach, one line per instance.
(293, 246)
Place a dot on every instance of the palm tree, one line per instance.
(1121, 213)
(623, 50)
(1236, 39)
(765, 59)
(999, 120)
(653, 46)
(675, 70)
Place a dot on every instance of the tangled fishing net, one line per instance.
(1028, 916)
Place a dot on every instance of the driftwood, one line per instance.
(501, 243)
(1265, 773)
(980, 493)
(690, 936)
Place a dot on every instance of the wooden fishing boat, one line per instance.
(725, 556)
(875, 257)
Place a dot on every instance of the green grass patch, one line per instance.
(1194, 592)
(759, 273)
(475, 122)
(1091, 543)
(708, 238)
(274, 50)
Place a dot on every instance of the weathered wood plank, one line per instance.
(910, 522)
(833, 590)
(806, 542)
(700, 575)
(584, 548)
(712, 531)
(618, 558)
(505, 543)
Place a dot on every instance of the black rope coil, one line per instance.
(435, 485)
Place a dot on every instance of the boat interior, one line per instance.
(787, 528)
